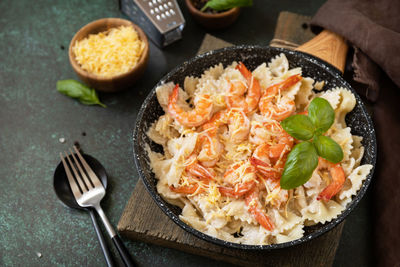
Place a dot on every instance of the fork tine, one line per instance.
(93, 177)
(77, 177)
(74, 187)
(86, 180)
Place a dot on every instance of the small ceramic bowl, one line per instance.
(213, 21)
(114, 83)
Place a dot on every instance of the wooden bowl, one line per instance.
(117, 82)
(213, 21)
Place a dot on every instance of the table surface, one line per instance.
(34, 39)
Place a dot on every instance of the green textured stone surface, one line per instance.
(34, 40)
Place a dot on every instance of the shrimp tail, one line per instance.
(265, 169)
(338, 179)
(252, 98)
(185, 189)
(253, 203)
(236, 192)
(199, 171)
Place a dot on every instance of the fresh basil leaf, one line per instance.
(299, 126)
(321, 114)
(220, 5)
(84, 94)
(300, 164)
(328, 148)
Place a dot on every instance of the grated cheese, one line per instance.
(109, 53)
(213, 194)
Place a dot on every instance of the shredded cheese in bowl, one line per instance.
(110, 53)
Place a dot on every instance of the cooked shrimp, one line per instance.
(193, 118)
(254, 207)
(191, 186)
(276, 195)
(237, 90)
(240, 178)
(236, 191)
(275, 107)
(196, 174)
(259, 134)
(284, 145)
(238, 124)
(185, 189)
(273, 134)
(199, 170)
(338, 178)
(268, 166)
(210, 149)
(270, 156)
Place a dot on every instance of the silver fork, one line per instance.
(88, 192)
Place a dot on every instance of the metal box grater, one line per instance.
(162, 20)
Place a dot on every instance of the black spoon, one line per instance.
(64, 193)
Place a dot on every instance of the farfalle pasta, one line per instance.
(224, 151)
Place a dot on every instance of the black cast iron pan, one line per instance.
(252, 56)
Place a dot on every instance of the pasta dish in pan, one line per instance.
(224, 152)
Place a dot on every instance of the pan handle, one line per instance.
(327, 46)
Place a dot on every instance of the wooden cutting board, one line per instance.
(143, 220)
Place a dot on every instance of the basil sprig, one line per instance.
(303, 159)
(327, 148)
(321, 114)
(299, 126)
(74, 89)
(300, 164)
(220, 5)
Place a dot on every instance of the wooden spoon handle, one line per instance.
(327, 46)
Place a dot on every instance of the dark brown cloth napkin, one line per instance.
(373, 27)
